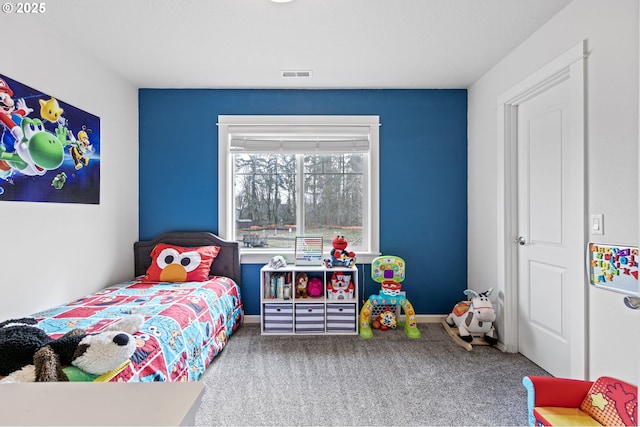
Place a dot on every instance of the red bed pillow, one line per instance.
(170, 263)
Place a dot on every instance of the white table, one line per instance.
(114, 404)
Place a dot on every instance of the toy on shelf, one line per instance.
(302, 281)
(315, 287)
(473, 319)
(389, 272)
(340, 286)
(278, 261)
(340, 257)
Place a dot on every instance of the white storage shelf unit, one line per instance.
(284, 311)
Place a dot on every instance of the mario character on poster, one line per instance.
(49, 150)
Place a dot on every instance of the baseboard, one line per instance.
(425, 318)
(421, 318)
(252, 318)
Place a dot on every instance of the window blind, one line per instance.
(299, 139)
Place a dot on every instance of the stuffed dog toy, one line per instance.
(27, 353)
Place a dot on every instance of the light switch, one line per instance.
(597, 224)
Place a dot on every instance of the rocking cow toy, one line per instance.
(474, 319)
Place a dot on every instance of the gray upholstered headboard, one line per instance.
(227, 263)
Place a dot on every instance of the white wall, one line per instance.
(611, 28)
(53, 253)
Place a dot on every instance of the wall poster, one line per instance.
(613, 267)
(49, 150)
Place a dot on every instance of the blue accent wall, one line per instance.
(423, 174)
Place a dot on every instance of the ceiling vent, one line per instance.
(296, 73)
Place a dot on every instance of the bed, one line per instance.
(187, 321)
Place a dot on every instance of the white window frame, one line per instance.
(227, 124)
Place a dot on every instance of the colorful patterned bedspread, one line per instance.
(186, 324)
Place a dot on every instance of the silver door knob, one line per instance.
(632, 302)
(520, 240)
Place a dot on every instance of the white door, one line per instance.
(549, 232)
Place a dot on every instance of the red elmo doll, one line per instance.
(339, 254)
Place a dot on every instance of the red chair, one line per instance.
(563, 401)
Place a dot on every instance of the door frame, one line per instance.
(568, 66)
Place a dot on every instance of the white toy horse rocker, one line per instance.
(474, 319)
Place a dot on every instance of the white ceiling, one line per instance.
(345, 43)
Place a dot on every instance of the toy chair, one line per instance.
(389, 272)
(563, 401)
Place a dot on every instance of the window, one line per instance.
(287, 176)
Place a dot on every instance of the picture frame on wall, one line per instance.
(49, 149)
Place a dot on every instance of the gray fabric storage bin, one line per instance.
(341, 317)
(278, 317)
(309, 318)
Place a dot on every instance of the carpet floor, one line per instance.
(387, 380)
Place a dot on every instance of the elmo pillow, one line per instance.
(170, 263)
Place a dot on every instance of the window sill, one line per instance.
(261, 256)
